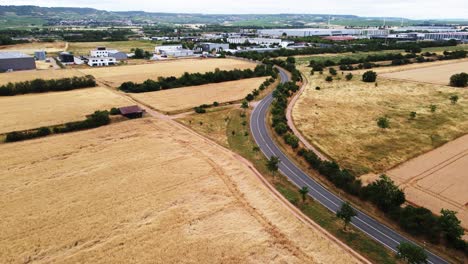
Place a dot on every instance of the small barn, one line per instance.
(133, 111)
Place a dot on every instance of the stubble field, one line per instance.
(115, 76)
(437, 180)
(341, 120)
(23, 112)
(30, 48)
(21, 76)
(185, 98)
(144, 191)
(439, 74)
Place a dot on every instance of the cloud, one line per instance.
(416, 9)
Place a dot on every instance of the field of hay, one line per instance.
(144, 191)
(341, 120)
(30, 48)
(439, 74)
(115, 76)
(21, 76)
(185, 98)
(83, 48)
(23, 112)
(437, 180)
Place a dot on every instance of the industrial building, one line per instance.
(99, 52)
(208, 47)
(256, 41)
(66, 57)
(460, 36)
(308, 32)
(40, 55)
(173, 51)
(16, 61)
(119, 55)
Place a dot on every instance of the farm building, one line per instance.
(40, 55)
(133, 111)
(118, 55)
(16, 61)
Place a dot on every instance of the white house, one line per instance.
(100, 52)
(101, 61)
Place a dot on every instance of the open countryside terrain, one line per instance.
(185, 98)
(146, 186)
(21, 76)
(29, 111)
(437, 180)
(30, 48)
(115, 76)
(439, 74)
(341, 120)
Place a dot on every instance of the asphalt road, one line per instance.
(376, 230)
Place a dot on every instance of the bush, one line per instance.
(329, 79)
(332, 71)
(459, 80)
(349, 76)
(114, 111)
(215, 104)
(199, 110)
(291, 140)
(369, 76)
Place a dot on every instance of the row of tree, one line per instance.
(97, 119)
(191, 79)
(42, 86)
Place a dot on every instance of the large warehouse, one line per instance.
(16, 61)
(308, 32)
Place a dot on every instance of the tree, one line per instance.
(291, 60)
(332, 71)
(459, 80)
(450, 225)
(383, 122)
(384, 193)
(346, 213)
(413, 115)
(272, 164)
(433, 108)
(411, 253)
(329, 79)
(245, 104)
(349, 76)
(249, 97)
(454, 99)
(369, 76)
(304, 191)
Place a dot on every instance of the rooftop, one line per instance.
(13, 55)
(130, 110)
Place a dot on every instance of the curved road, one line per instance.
(381, 233)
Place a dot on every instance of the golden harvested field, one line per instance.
(115, 76)
(23, 112)
(21, 76)
(341, 120)
(144, 191)
(436, 74)
(30, 48)
(185, 98)
(83, 48)
(437, 179)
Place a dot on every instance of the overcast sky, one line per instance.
(416, 9)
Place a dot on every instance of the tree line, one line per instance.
(97, 119)
(191, 79)
(42, 86)
(383, 193)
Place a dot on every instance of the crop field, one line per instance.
(437, 179)
(439, 74)
(83, 48)
(144, 191)
(341, 120)
(20, 76)
(115, 76)
(30, 48)
(185, 98)
(23, 112)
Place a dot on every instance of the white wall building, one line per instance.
(173, 51)
(308, 32)
(256, 41)
(100, 52)
(101, 61)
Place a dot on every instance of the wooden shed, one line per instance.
(133, 111)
